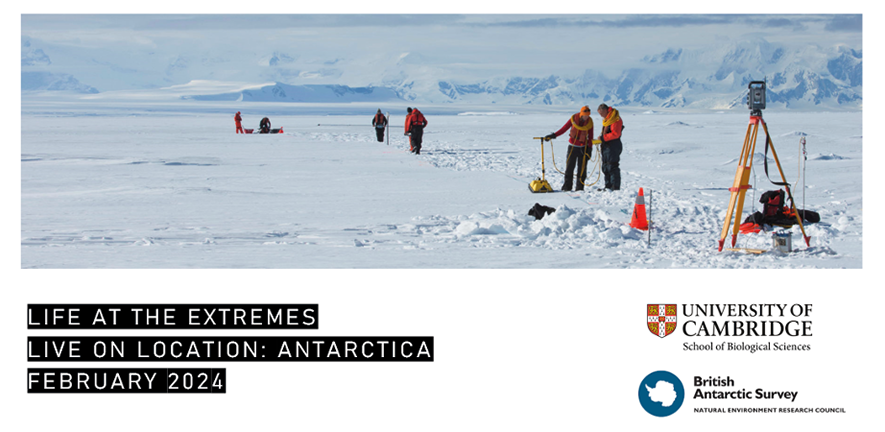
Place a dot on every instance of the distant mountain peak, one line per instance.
(668, 56)
(276, 59)
(33, 56)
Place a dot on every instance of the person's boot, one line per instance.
(566, 187)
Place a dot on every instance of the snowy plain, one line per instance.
(172, 186)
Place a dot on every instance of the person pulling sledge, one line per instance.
(611, 146)
(415, 124)
(379, 122)
(264, 126)
(238, 119)
(580, 127)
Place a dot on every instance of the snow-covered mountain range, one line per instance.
(714, 77)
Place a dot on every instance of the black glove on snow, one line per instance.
(550, 137)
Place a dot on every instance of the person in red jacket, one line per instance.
(415, 124)
(239, 121)
(580, 137)
(611, 146)
(379, 122)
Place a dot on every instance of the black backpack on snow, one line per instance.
(772, 203)
(539, 211)
(776, 212)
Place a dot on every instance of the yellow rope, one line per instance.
(553, 156)
(596, 166)
(596, 163)
(615, 116)
(584, 128)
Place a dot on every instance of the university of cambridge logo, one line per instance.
(661, 319)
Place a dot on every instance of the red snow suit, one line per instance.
(238, 119)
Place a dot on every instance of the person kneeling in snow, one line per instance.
(580, 141)
(264, 126)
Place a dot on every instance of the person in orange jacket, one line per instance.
(415, 124)
(611, 146)
(580, 136)
(239, 121)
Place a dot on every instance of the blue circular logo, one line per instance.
(661, 393)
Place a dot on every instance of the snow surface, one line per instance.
(160, 187)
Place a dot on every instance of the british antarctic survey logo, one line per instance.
(661, 393)
(661, 319)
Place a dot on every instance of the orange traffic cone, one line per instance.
(638, 220)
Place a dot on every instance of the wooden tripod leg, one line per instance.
(787, 187)
(741, 194)
(747, 164)
(738, 189)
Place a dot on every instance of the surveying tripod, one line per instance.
(756, 103)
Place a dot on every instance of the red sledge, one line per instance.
(273, 131)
